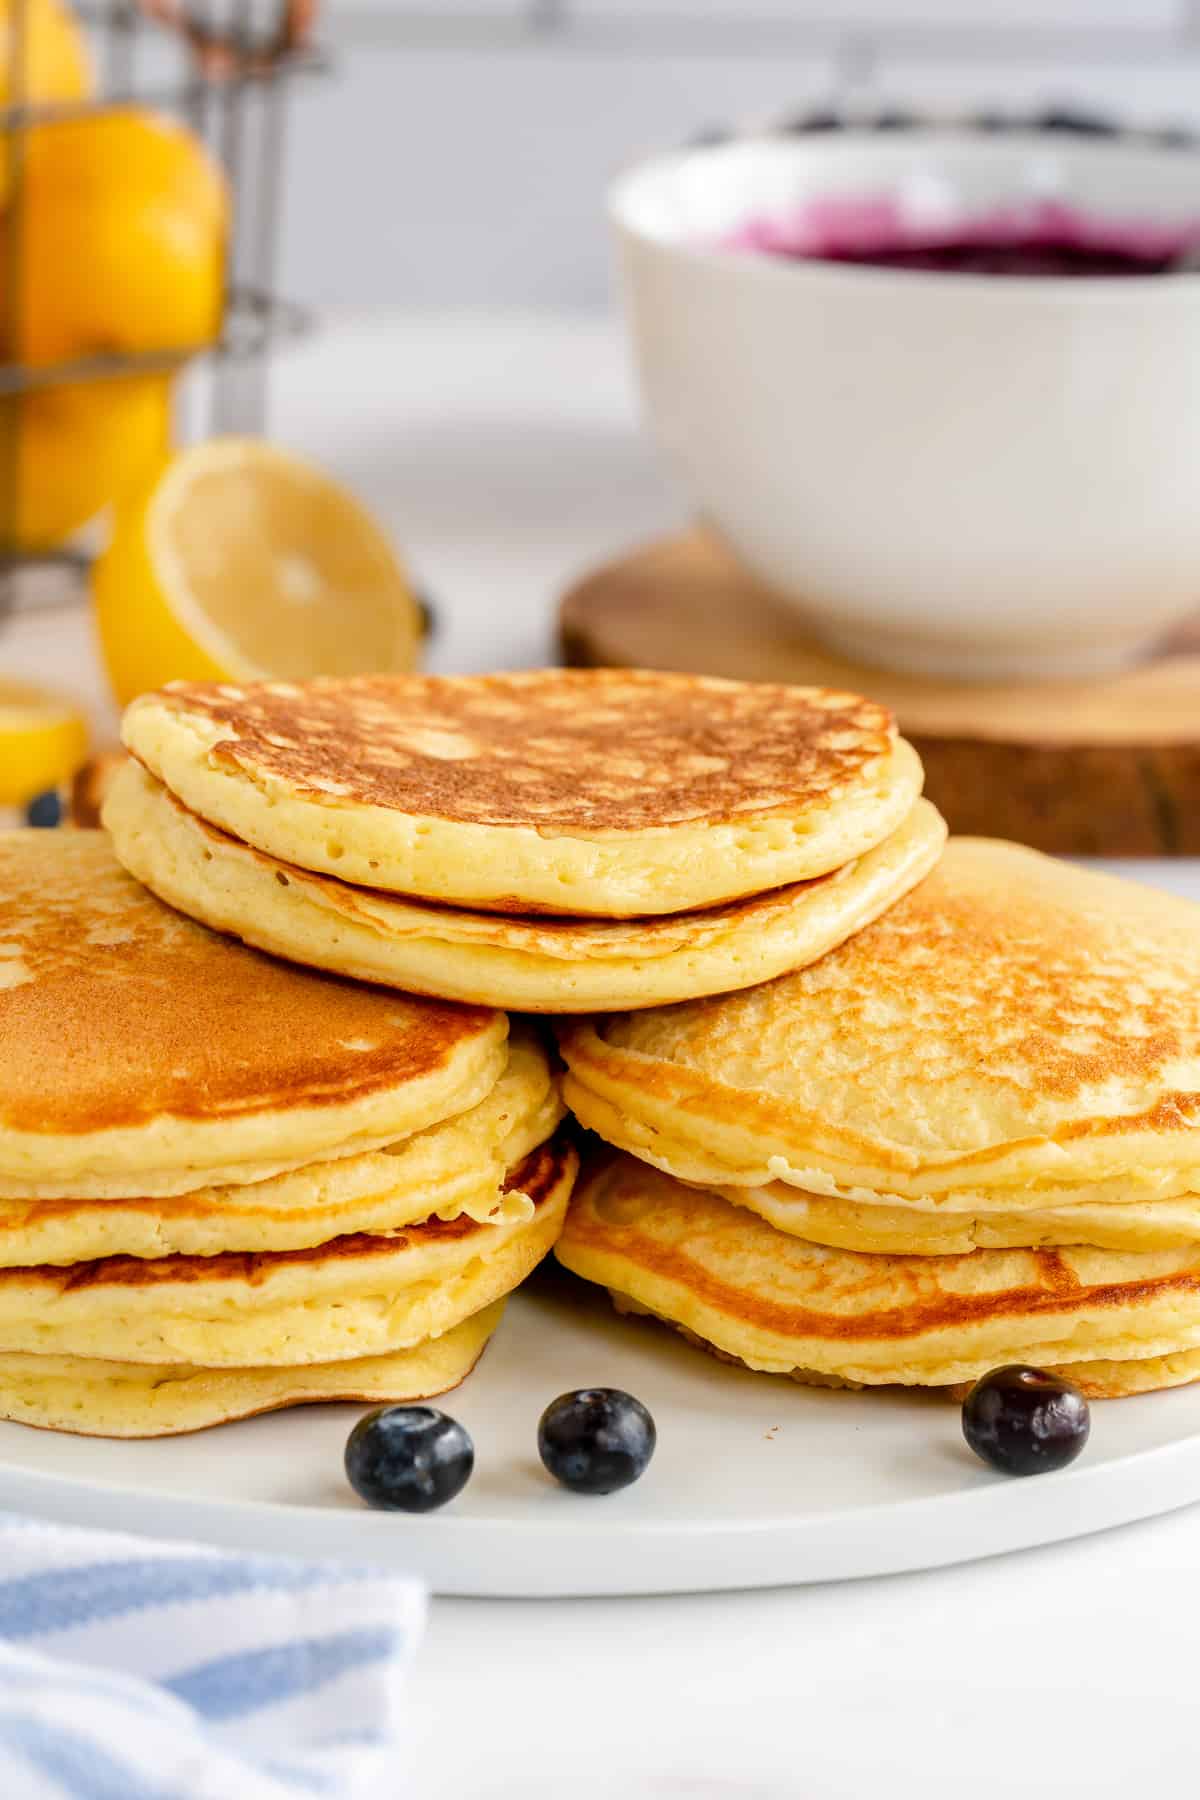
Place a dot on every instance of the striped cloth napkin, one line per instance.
(138, 1670)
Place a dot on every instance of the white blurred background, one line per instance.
(458, 155)
(444, 214)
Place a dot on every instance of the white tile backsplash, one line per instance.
(438, 178)
(346, 14)
(460, 153)
(1140, 16)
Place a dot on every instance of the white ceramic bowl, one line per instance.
(968, 475)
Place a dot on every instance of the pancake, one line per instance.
(1135, 1199)
(1014, 1034)
(453, 1170)
(1097, 1380)
(1119, 1380)
(900, 1230)
(143, 1054)
(788, 1307)
(529, 965)
(949, 1224)
(356, 1296)
(144, 1400)
(604, 792)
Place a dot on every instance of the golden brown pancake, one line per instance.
(1013, 1034)
(607, 792)
(1172, 1224)
(785, 1306)
(1098, 1380)
(458, 1166)
(537, 964)
(98, 1398)
(356, 1296)
(143, 1054)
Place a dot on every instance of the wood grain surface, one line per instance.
(1103, 768)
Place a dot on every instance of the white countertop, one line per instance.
(504, 455)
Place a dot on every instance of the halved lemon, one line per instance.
(43, 740)
(243, 561)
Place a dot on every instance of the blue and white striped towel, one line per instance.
(138, 1670)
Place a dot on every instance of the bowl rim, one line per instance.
(734, 263)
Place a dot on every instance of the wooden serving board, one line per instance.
(1089, 768)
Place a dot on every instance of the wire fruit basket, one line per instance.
(224, 72)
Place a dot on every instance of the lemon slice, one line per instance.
(241, 562)
(43, 740)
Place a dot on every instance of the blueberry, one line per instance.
(1174, 137)
(596, 1440)
(894, 119)
(45, 810)
(1024, 1421)
(428, 614)
(1079, 124)
(408, 1458)
(804, 124)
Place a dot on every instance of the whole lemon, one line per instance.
(54, 59)
(54, 63)
(67, 453)
(122, 228)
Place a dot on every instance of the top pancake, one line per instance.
(589, 792)
(539, 964)
(1013, 1023)
(143, 1054)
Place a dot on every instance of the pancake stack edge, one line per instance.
(229, 1185)
(968, 1137)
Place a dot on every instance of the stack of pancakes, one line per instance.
(228, 1185)
(551, 841)
(966, 1137)
(873, 1117)
(264, 1184)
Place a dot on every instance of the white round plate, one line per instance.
(756, 1481)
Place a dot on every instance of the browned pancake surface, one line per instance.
(1007, 997)
(586, 750)
(114, 1010)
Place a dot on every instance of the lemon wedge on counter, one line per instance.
(244, 562)
(43, 740)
